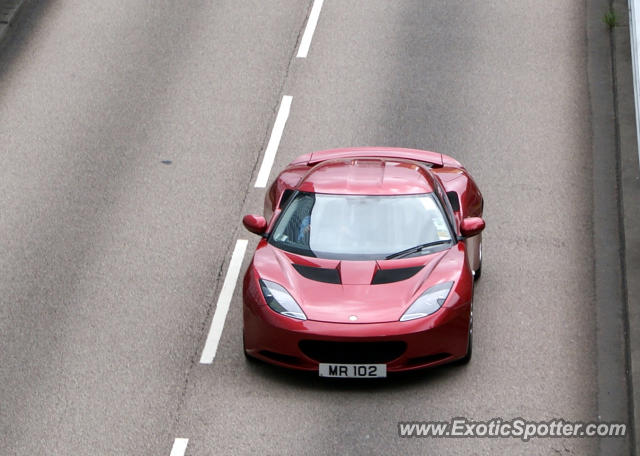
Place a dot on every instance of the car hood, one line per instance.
(354, 299)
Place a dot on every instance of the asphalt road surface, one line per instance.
(131, 134)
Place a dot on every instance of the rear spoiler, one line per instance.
(434, 159)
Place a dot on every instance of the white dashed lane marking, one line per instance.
(303, 50)
(179, 447)
(274, 142)
(222, 306)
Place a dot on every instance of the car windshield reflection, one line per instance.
(360, 227)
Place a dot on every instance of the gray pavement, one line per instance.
(111, 261)
(109, 258)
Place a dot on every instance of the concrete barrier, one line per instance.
(8, 12)
(634, 30)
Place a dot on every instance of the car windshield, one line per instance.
(360, 227)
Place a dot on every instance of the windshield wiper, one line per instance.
(417, 248)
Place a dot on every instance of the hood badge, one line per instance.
(353, 318)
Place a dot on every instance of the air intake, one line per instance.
(318, 274)
(394, 275)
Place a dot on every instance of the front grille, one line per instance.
(352, 352)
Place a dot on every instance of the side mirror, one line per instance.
(255, 223)
(471, 226)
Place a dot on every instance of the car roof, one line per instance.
(368, 176)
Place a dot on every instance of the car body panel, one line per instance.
(354, 310)
(370, 177)
(436, 339)
(355, 295)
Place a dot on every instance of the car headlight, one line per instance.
(428, 302)
(279, 300)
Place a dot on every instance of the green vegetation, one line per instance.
(610, 18)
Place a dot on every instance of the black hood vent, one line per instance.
(394, 275)
(318, 274)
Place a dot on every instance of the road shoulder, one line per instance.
(608, 240)
(629, 184)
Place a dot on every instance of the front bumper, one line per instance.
(437, 339)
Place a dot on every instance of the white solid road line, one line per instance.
(179, 447)
(222, 306)
(274, 142)
(303, 50)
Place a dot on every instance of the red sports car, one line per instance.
(366, 263)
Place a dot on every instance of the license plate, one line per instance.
(352, 370)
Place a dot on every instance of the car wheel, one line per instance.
(467, 357)
(478, 272)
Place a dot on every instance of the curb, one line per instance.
(614, 385)
(9, 10)
(629, 188)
